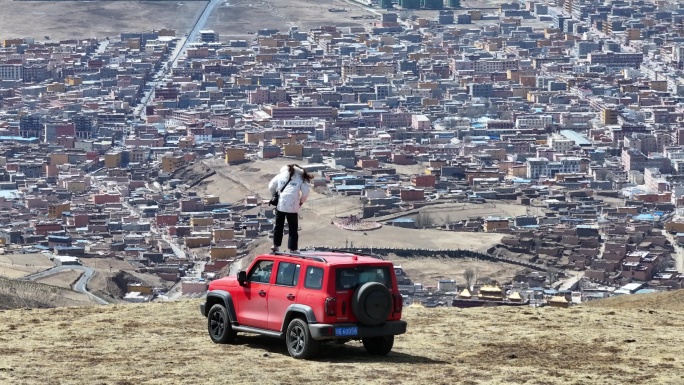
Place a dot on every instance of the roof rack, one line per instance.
(302, 256)
(348, 251)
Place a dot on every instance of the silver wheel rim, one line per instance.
(296, 339)
(217, 324)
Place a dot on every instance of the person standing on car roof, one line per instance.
(292, 186)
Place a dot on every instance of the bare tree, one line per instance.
(470, 276)
(423, 220)
(551, 275)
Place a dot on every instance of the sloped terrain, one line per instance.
(670, 300)
(20, 294)
(83, 19)
(64, 279)
(167, 343)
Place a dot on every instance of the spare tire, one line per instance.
(372, 303)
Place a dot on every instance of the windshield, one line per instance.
(353, 277)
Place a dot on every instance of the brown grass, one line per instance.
(21, 265)
(163, 343)
(74, 19)
(62, 279)
(107, 264)
(19, 294)
(429, 271)
(671, 300)
(242, 16)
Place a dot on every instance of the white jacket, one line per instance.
(295, 193)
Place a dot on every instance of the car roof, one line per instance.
(331, 257)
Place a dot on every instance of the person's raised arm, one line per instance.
(305, 189)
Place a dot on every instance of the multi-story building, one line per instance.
(278, 112)
(538, 167)
(31, 126)
(560, 143)
(208, 36)
(633, 159)
(612, 59)
(10, 71)
(360, 69)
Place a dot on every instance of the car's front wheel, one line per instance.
(218, 325)
(378, 346)
(299, 342)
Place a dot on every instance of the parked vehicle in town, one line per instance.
(307, 299)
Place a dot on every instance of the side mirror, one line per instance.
(242, 278)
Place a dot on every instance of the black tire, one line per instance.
(218, 325)
(378, 346)
(372, 303)
(298, 339)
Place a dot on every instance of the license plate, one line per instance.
(346, 332)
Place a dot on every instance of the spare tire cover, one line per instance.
(372, 303)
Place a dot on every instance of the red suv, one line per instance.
(307, 299)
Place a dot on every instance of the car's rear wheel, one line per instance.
(218, 325)
(378, 346)
(299, 342)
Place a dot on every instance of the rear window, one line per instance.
(353, 277)
(314, 278)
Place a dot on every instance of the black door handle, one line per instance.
(290, 296)
(262, 293)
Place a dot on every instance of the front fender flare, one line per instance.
(223, 297)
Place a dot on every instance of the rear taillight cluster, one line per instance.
(330, 306)
(398, 302)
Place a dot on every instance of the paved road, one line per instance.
(177, 53)
(678, 252)
(568, 283)
(79, 286)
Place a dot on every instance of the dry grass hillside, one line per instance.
(671, 300)
(166, 343)
(83, 19)
(20, 294)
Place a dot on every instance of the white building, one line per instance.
(446, 285)
(537, 167)
(560, 143)
(420, 122)
(10, 71)
(533, 121)
(136, 297)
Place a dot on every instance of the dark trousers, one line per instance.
(292, 225)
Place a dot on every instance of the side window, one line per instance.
(314, 278)
(288, 274)
(261, 272)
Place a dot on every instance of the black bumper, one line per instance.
(327, 331)
(202, 307)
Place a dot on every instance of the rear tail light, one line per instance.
(330, 306)
(398, 303)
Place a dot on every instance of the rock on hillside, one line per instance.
(165, 343)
